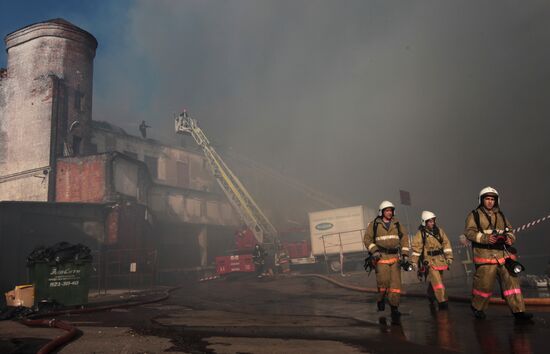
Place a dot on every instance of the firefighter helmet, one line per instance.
(385, 205)
(488, 191)
(427, 215)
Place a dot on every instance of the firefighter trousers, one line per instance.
(436, 289)
(388, 280)
(484, 281)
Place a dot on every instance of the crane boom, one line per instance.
(235, 191)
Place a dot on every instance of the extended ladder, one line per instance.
(237, 194)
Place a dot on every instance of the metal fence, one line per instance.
(124, 269)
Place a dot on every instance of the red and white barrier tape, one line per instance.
(531, 224)
(517, 229)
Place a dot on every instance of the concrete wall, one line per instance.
(113, 177)
(192, 197)
(48, 87)
(175, 205)
(26, 129)
(177, 167)
(3, 134)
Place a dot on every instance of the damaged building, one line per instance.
(59, 166)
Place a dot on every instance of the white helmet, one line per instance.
(384, 205)
(488, 191)
(427, 215)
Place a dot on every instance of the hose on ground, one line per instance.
(70, 334)
(494, 300)
(71, 331)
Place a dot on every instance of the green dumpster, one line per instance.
(61, 279)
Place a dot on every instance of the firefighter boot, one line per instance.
(395, 312)
(395, 316)
(525, 317)
(381, 305)
(480, 315)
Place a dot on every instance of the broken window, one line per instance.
(182, 174)
(152, 165)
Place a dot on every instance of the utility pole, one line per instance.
(405, 197)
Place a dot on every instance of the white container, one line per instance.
(336, 230)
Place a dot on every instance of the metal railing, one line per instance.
(329, 241)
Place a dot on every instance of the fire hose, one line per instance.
(71, 331)
(528, 301)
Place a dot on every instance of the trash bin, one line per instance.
(61, 273)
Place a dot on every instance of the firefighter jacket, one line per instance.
(432, 246)
(478, 232)
(390, 242)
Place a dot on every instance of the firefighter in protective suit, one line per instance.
(491, 236)
(432, 251)
(387, 241)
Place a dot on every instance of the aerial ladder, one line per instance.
(251, 214)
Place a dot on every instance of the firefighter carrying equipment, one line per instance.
(499, 228)
(383, 239)
(258, 255)
(390, 243)
(431, 250)
(490, 259)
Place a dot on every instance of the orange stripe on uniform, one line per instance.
(479, 260)
(480, 293)
(398, 291)
(512, 292)
(388, 261)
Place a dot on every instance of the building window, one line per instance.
(76, 145)
(182, 174)
(152, 165)
(78, 100)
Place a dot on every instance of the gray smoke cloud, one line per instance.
(356, 98)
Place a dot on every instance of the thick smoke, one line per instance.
(356, 98)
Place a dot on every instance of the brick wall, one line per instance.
(81, 179)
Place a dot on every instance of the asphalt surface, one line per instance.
(289, 315)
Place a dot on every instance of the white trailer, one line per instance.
(339, 232)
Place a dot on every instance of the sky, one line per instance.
(357, 99)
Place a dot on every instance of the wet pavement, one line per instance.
(293, 315)
(422, 327)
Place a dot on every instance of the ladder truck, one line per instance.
(249, 211)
